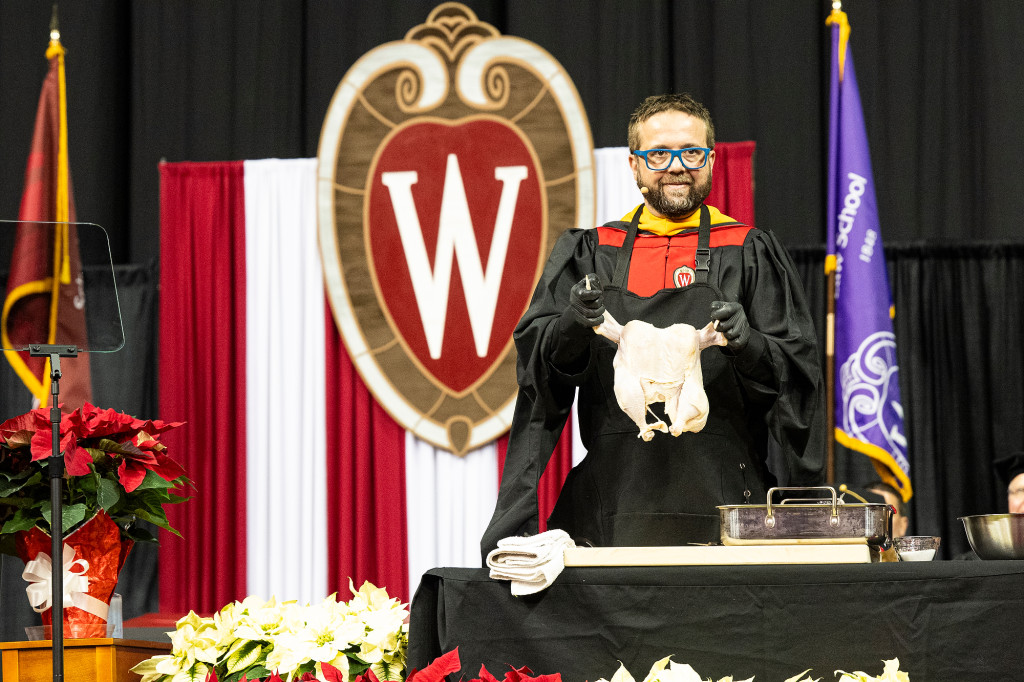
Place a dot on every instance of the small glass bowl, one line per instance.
(916, 547)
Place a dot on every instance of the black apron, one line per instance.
(628, 492)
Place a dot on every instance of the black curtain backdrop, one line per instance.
(187, 80)
(940, 80)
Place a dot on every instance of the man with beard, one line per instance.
(673, 259)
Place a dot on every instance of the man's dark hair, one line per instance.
(655, 104)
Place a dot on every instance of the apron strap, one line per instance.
(703, 258)
(626, 251)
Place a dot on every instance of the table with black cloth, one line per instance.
(944, 620)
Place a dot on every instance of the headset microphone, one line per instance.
(644, 190)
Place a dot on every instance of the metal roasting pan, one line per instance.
(815, 520)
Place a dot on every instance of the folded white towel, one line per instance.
(531, 563)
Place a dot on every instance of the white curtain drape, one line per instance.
(449, 501)
(286, 544)
(617, 193)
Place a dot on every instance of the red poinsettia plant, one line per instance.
(113, 462)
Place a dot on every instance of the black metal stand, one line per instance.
(56, 467)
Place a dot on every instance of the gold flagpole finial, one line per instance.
(54, 28)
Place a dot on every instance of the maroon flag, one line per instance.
(45, 298)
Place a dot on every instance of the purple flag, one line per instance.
(868, 413)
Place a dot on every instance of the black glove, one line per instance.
(586, 305)
(576, 325)
(732, 322)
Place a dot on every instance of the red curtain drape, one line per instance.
(366, 526)
(732, 185)
(202, 380)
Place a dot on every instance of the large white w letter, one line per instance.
(455, 236)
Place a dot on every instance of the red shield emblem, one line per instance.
(683, 276)
(447, 169)
(460, 206)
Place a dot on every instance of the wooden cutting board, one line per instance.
(776, 553)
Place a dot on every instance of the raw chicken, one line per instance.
(660, 365)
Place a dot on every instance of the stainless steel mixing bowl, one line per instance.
(996, 536)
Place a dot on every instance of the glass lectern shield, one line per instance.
(59, 300)
(59, 288)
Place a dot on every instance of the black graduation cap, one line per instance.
(1009, 466)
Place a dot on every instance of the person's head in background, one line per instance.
(1011, 473)
(892, 497)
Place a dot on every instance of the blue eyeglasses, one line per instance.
(692, 158)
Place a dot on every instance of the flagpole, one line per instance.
(830, 376)
(830, 353)
(56, 461)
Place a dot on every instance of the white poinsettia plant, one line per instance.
(255, 639)
(667, 670)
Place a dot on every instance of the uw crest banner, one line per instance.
(449, 162)
(869, 414)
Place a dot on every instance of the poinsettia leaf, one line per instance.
(386, 672)
(166, 468)
(157, 520)
(11, 481)
(8, 486)
(437, 669)
(17, 439)
(72, 515)
(152, 501)
(486, 676)
(356, 667)
(244, 657)
(332, 674)
(303, 668)
(198, 673)
(178, 498)
(152, 481)
(18, 431)
(259, 672)
(42, 445)
(108, 493)
(131, 474)
(18, 502)
(77, 460)
(108, 445)
(23, 519)
(89, 484)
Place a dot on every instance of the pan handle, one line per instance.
(769, 519)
